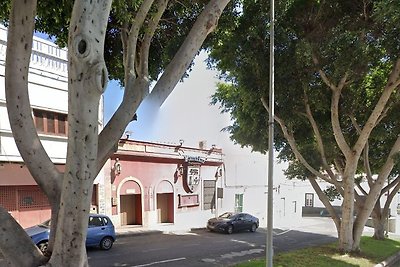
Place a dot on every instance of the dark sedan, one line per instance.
(230, 222)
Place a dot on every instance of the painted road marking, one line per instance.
(282, 233)
(244, 242)
(159, 262)
(242, 253)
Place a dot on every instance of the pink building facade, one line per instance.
(154, 184)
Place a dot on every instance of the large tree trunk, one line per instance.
(379, 228)
(87, 76)
(346, 227)
(70, 193)
(379, 220)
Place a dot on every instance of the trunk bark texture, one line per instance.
(70, 193)
(87, 79)
(346, 228)
(18, 248)
(379, 228)
(379, 220)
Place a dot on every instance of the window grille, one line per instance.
(32, 198)
(309, 200)
(8, 198)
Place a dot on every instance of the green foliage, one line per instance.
(346, 37)
(53, 19)
(332, 193)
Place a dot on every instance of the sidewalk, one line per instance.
(128, 230)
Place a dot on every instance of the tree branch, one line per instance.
(392, 84)
(16, 246)
(129, 63)
(323, 75)
(337, 130)
(19, 48)
(144, 52)
(318, 136)
(367, 166)
(361, 189)
(324, 199)
(136, 89)
(289, 137)
(205, 24)
(391, 195)
(391, 184)
(376, 189)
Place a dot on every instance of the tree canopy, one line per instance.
(135, 42)
(336, 79)
(53, 18)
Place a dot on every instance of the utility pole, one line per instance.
(269, 247)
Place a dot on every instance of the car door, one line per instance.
(96, 231)
(240, 222)
(248, 221)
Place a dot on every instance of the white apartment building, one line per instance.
(48, 93)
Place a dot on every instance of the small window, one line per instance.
(39, 120)
(51, 126)
(240, 217)
(238, 202)
(62, 121)
(309, 200)
(95, 221)
(50, 122)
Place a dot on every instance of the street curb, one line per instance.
(138, 233)
(389, 261)
(152, 232)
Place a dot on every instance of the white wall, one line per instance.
(188, 115)
(48, 90)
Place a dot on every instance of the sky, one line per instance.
(188, 115)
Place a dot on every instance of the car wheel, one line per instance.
(43, 246)
(106, 243)
(253, 227)
(229, 230)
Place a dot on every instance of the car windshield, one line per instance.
(227, 215)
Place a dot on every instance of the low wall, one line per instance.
(319, 211)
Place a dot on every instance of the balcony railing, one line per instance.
(45, 56)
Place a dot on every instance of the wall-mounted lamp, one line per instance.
(117, 166)
(213, 146)
(218, 173)
(181, 141)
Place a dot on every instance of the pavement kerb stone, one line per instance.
(136, 233)
(389, 261)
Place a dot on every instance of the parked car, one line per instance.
(100, 233)
(230, 222)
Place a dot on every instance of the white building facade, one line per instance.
(48, 93)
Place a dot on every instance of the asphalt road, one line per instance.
(203, 248)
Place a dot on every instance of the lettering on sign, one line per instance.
(194, 159)
(193, 178)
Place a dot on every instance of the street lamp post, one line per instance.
(269, 247)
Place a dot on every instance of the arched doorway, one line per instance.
(130, 203)
(165, 202)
